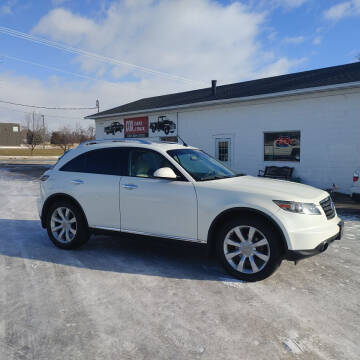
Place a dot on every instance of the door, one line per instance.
(223, 150)
(154, 206)
(93, 179)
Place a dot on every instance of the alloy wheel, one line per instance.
(246, 249)
(63, 225)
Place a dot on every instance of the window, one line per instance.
(111, 161)
(282, 146)
(223, 151)
(200, 165)
(75, 165)
(144, 163)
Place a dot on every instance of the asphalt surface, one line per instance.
(139, 298)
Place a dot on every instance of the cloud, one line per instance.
(195, 39)
(7, 7)
(54, 92)
(65, 26)
(208, 41)
(317, 40)
(294, 39)
(342, 10)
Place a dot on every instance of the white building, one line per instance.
(309, 121)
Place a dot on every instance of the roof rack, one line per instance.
(100, 141)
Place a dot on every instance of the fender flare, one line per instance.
(54, 197)
(230, 212)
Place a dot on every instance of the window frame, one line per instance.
(281, 133)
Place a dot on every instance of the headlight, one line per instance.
(297, 207)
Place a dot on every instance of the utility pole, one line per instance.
(97, 105)
(43, 126)
(33, 121)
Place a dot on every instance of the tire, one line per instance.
(255, 266)
(166, 131)
(76, 232)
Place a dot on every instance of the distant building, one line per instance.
(10, 134)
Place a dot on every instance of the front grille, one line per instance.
(328, 207)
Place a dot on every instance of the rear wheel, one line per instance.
(249, 249)
(66, 225)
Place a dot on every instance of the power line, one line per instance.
(52, 68)
(94, 56)
(48, 108)
(47, 115)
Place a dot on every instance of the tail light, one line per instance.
(355, 177)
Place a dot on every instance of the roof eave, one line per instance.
(232, 100)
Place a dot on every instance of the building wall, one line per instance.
(329, 125)
(10, 134)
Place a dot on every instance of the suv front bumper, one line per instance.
(296, 255)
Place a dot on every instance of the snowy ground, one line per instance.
(132, 298)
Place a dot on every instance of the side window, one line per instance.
(110, 161)
(75, 165)
(144, 163)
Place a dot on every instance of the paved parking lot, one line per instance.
(136, 298)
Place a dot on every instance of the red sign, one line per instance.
(136, 127)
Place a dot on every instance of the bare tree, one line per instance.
(90, 132)
(64, 138)
(34, 131)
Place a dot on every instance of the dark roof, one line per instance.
(303, 80)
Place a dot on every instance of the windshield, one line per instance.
(200, 165)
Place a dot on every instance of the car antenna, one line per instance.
(184, 143)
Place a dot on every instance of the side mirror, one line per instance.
(165, 173)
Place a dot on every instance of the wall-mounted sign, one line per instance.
(154, 126)
(136, 127)
(161, 125)
(113, 128)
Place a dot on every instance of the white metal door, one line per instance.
(223, 150)
(158, 207)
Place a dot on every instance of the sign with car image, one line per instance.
(113, 128)
(163, 125)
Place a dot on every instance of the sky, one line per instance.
(68, 53)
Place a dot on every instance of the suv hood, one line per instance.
(277, 189)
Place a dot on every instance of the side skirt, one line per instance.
(113, 231)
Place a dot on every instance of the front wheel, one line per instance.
(249, 249)
(66, 225)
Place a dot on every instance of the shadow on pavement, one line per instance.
(23, 171)
(123, 253)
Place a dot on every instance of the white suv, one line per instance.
(179, 192)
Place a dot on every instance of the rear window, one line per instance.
(109, 161)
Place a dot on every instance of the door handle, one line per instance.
(129, 186)
(77, 182)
